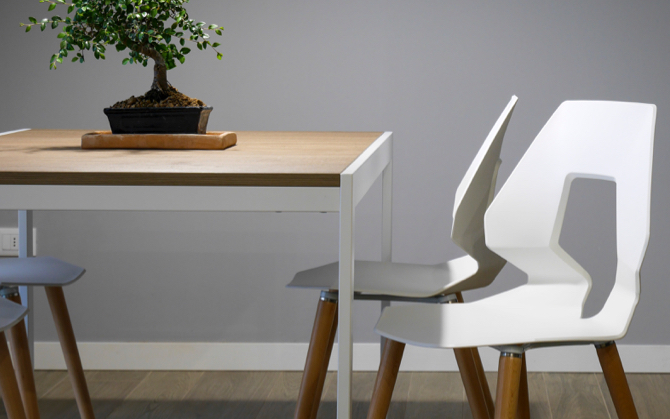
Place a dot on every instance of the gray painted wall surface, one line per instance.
(436, 73)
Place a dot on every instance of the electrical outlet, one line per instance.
(9, 241)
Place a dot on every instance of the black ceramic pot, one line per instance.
(187, 120)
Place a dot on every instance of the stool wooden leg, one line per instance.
(18, 340)
(324, 368)
(474, 389)
(616, 380)
(474, 380)
(70, 352)
(507, 394)
(386, 378)
(523, 409)
(9, 388)
(326, 312)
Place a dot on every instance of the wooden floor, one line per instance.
(158, 394)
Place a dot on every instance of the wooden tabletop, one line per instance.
(54, 157)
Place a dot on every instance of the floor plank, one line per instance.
(281, 401)
(433, 395)
(261, 395)
(575, 396)
(227, 394)
(651, 394)
(107, 389)
(156, 395)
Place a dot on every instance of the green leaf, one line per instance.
(53, 58)
(62, 35)
(28, 28)
(213, 26)
(215, 44)
(125, 61)
(43, 26)
(52, 6)
(218, 32)
(70, 9)
(182, 42)
(200, 24)
(32, 20)
(54, 25)
(120, 47)
(185, 51)
(75, 59)
(219, 56)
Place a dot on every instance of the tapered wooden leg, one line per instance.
(70, 352)
(324, 368)
(474, 388)
(18, 340)
(9, 387)
(507, 393)
(523, 408)
(474, 379)
(326, 312)
(386, 378)
(616, 380)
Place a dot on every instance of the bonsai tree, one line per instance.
(160, 30)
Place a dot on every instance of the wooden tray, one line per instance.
(210, 141)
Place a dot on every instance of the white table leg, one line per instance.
(26, 250)
(387, 228)
(346, 297)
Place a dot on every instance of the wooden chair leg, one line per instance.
(483, 381)
(523, 408)
(507, 393)
(324, 368)
(9, 388)
(18, 341)
(616, 380)
(317, 354)
(386, 378)
(474, 379)
(474, 388)
(70, 352)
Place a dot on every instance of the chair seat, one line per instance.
(520, 315)
(44, 271)
(10, 313)
(393, 279)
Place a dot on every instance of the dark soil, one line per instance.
(159, 99)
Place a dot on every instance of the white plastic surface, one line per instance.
(10, 314)
(44, 270)
(477, 269)
(601, 140)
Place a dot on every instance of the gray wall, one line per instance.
(436, 73)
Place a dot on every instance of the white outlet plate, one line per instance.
(9, 241)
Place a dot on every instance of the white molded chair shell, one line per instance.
(10, 314)
(475, 270)
(43, 271)
(602, 140)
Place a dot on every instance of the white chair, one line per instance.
(52, 274)
(442, 283)
(10, 315)
(600, 140)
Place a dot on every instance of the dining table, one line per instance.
(47, 170)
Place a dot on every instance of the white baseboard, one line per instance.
(291, 357)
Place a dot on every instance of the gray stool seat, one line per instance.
(42, 271)
(10, 313)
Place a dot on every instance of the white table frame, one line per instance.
(355, 181)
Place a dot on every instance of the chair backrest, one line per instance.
(473, 196)
(583, 139)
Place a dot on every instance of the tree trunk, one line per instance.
(160, 82)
